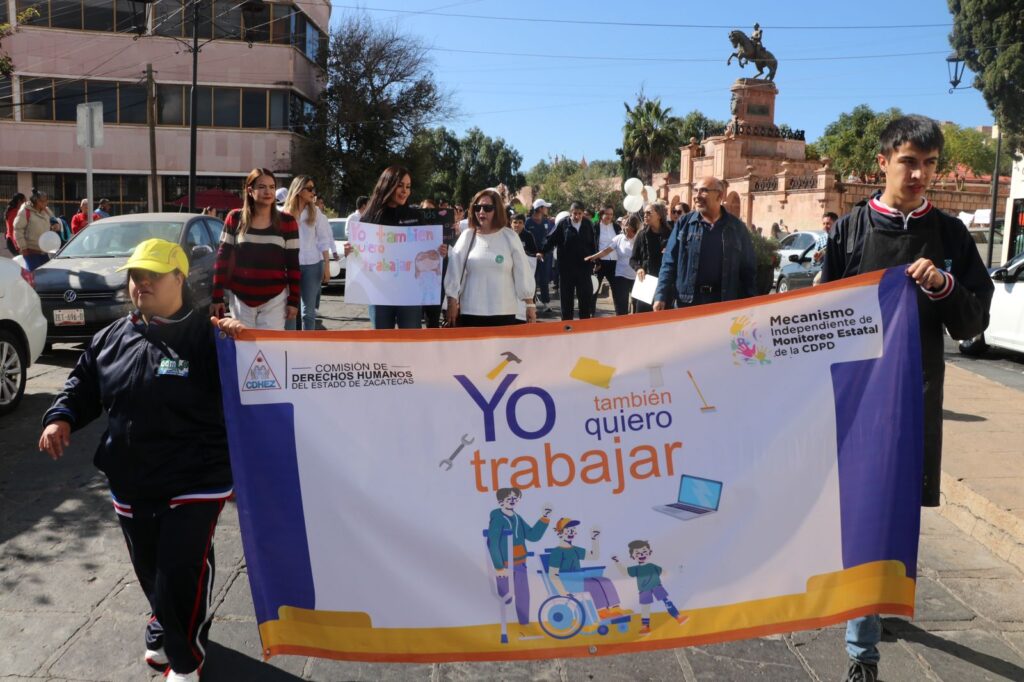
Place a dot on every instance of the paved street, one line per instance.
(70, 608)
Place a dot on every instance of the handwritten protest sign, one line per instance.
(394, 264)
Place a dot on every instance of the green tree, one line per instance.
(448, 167)
(987, 35)
(380, 92)
(851, 141)
(648, 137)
(971, 149)
(694, 125)
(563, 181)
(7, 29)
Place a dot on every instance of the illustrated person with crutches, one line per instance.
(505, 519)
(165, 450)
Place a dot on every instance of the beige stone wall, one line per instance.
(971, 199)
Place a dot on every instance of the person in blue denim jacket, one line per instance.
(709, 256)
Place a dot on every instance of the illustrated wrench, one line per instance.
(447, 463)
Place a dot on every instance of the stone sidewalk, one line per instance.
(71, 609)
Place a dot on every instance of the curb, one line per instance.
(998, 530)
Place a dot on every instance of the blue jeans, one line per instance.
(388, 316)
(310, 278)
(862, 638)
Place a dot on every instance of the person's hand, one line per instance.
(540, 256)
(291, 312)
(924, 272)
(326, 279)
(531, 314)
(217, 310)
(348, 248)
(453, 311)
(640, 274)
(659, 305)
(443, 250)
(55, 437)
(501, 573)
(229, 326)
(591, 258)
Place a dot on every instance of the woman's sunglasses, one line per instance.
(486, 208)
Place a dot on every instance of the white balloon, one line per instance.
(49, 242)
(633, 187)
(652, 195)
(633, 203)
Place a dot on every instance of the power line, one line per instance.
(634, 24)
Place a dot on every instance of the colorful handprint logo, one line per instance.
(746, 345)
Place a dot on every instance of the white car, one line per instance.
(338, 227)
(795, 244)
(22, 331)
(1006, 316)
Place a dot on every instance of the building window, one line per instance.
(37, 99)
(6, 98)
(279, 110)
(104, 92)
(170, 105)
(131, 103)
(258, 24)
(229, 19)
(227, 110)
(127, 193)
(204, 106)
(169, 18)
(67, 97)
(254, 108)
(90, 15)
(99, 14)
(42, 8)
(68, 13)
(176, 188)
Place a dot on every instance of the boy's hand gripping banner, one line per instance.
(566, 489)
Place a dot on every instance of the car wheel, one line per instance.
(974, 347)
(783, 285)
(13, 371)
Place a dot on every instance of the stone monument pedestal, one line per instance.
(753, 107)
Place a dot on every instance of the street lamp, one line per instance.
(955, 65)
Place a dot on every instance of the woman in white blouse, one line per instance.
(488, 270)
(316, 241)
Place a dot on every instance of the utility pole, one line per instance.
(154, 185)
(193, 109)
(995, 198)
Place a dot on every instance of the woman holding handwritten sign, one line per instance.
(388, 205)
(489, 272)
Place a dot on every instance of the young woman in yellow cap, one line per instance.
(165, 449)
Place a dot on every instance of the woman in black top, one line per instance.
(650, 245)
(388, 205)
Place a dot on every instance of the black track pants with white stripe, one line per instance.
(172, 553)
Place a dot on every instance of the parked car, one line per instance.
(22, 332)
(339, 227)
(82, 291)
(1006, 318)
(799, 270)
(795, 244)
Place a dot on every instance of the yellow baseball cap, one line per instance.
(157, 255)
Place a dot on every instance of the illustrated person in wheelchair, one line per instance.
(568, 576)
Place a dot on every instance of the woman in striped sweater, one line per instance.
(257, 268)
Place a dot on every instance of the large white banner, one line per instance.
(566, 489)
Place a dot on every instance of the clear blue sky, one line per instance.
(554, 104)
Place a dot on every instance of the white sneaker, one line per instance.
(183, 677)
(156, 659)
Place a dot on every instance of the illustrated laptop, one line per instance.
(697, 497)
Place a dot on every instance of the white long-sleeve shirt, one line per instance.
(314, 238)
(497, 273)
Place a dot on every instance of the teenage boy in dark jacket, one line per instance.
(895, 227)
(575, 239)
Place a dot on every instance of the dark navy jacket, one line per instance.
(160, 386)
(678, 276)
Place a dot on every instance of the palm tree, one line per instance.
(648, 137)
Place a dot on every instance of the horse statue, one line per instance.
(746, 51)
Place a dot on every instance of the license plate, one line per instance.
(69, 317)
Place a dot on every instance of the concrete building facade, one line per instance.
(258, 79)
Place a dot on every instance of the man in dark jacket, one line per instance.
(709, 256)
(575, 238)
(899, 226)
(164, 451)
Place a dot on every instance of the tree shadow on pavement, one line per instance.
(912, 633)
(227, 664)
(950, 415)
